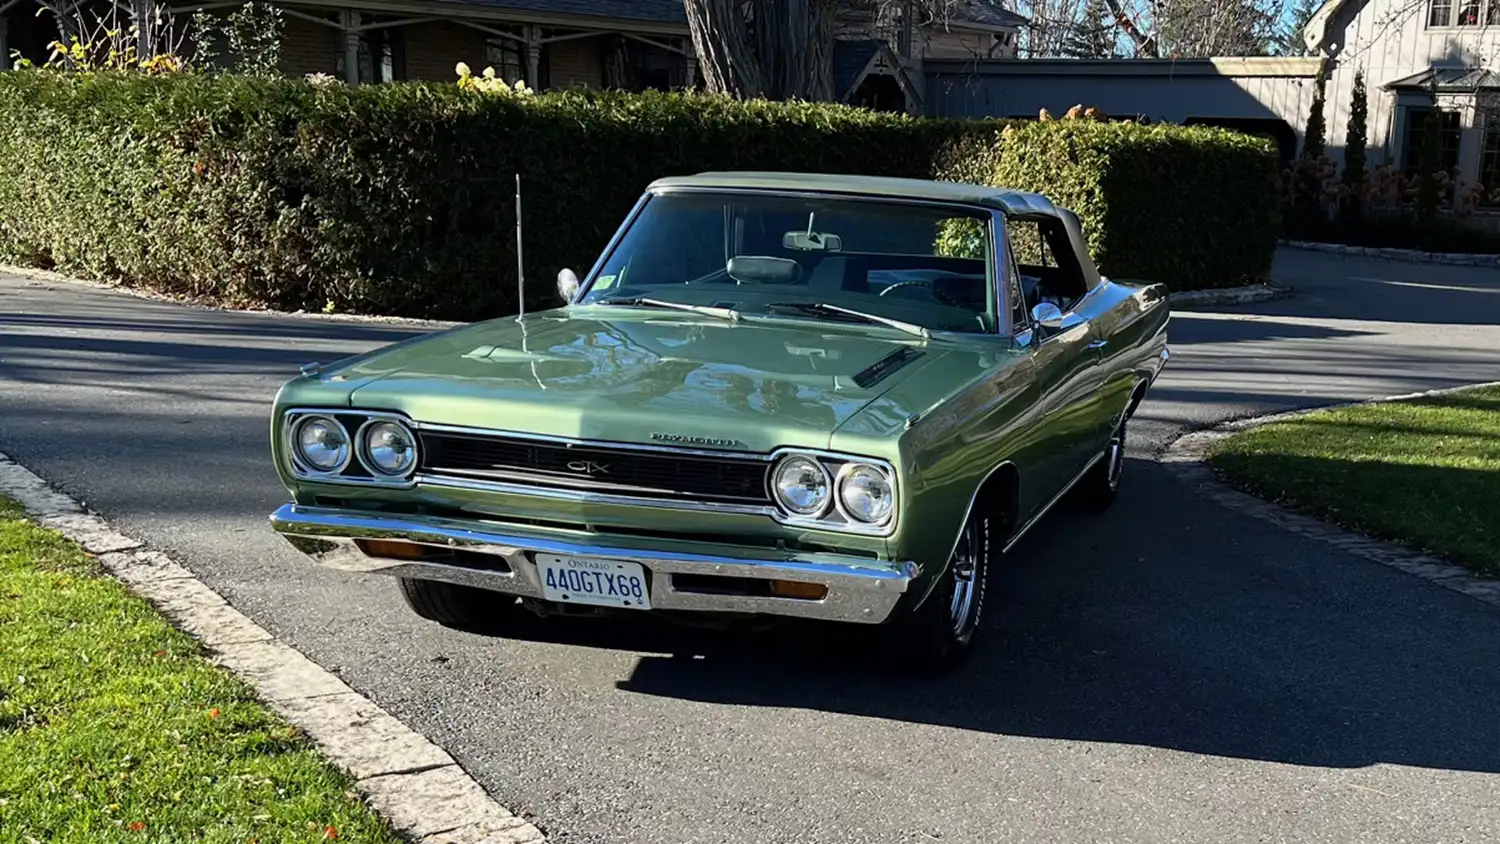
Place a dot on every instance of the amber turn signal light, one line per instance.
(391, 548)
(795, 589)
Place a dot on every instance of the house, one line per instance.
(1418, 56)
(879, 58)
(623, 44)
(629, 44)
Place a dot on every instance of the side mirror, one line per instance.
(1047, 315)
(567, 285)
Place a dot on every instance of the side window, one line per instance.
(1020, 307)
(1049, 271)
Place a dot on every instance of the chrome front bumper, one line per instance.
(859, 589)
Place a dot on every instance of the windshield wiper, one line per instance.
(647, 302)
(825, 308)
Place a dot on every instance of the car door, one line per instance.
(1066, 359)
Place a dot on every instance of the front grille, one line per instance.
(599, 468)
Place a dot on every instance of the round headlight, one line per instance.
(865, 492)
(389, 448)
(801, 485)
(322, 443)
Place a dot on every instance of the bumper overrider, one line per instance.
(503, 558)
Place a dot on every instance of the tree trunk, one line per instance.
(725, 57)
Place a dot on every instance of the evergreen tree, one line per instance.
(1355, 138)
(1093, 36)
(1313, 141)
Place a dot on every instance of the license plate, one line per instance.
(600, 583)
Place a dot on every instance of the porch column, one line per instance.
(689, 72)
(351, 47)
(533, 56)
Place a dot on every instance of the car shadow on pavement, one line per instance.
(1168, 622)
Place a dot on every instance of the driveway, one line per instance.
(1169, 671)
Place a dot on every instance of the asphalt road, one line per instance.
(1169, 671)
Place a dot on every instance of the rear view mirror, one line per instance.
(811, 241)
(567, 285)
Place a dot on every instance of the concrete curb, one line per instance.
(420, 789)
(1243, 295)
(50, 277)
(1186, 457)
(1410, 256)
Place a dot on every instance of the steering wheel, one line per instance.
(936, 294)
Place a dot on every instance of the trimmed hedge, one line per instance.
(399, 199)
(1193, 207)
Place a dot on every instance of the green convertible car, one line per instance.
(775, 394)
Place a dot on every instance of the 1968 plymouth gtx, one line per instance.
(774, 394)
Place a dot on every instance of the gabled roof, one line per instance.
(850, 58)
(656, 11)
(1316, 30)
(1003, 199)
(1447, 80)
(980, 14)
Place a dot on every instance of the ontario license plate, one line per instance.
(600, 583)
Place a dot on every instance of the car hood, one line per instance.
(630, 375)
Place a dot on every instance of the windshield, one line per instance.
(806, 257)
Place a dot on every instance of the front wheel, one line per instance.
(459, 607)
(939, 635)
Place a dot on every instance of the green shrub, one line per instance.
(1191, 207)
(400, 199)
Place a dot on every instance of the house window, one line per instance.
(1489, 162)
(1444, 13)
(1492, 13)
(382, 55)
(1416, 130)
(507, 57)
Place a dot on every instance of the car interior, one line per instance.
(1049, 271)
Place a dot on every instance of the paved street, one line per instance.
(1169, 671)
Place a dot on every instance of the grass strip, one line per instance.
(1424, 471)
(114, 728)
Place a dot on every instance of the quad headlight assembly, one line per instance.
(833, 492)
(361, 447)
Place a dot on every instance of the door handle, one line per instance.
(1097, 344)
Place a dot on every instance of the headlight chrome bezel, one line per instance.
(362, 448)
(846, 472)
(299, 454)
(357, 468)
(776, 497)
(833, 516)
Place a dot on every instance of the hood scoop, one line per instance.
(882, 369)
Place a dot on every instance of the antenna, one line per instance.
(520, 270)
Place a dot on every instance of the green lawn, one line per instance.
(1423, 471)
(114, 728)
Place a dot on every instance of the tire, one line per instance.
(1099, 488)
(938, 636)
(459, 607)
